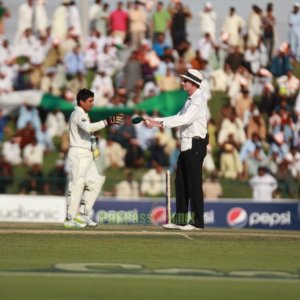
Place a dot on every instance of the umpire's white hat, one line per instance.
(193, 75)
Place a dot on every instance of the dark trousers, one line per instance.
(188, 184)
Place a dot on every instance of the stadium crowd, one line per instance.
(135, 51)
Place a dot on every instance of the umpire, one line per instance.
(192, 123)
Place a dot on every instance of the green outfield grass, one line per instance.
(135, 262)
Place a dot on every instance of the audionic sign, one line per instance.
(41, 209)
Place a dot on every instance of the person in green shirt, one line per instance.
(161, 20)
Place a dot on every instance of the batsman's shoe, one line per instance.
(74, 224)
(171, 226)
(190, 227)
(85, 220)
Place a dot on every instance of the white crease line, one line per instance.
(146, 276)
(99, 231)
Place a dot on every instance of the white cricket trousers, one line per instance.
(85, 181)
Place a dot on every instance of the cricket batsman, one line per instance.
(85, 180)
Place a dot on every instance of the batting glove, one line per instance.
(116, 119)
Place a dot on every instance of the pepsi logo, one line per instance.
(158, 215)
(237, 217)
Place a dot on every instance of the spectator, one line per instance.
(256, 159)
(254, 26)
(26, 135)
(33, 153)
(145, 135)
(25, 18)
(74, 63)
(95, 9)
(285, 180)
(118, 22)
(231, 125)
(157, 153)
(233, 28)
(57, 179)
(243, 102)
(234, 58)
(59, 28)
(208, 18)
(137, 24)
(212, 189)
(114, 154)
(154, 181)
(70, 42)
(294, 30)
(134, 157)
(11, 151)
(22, 80)
(108, 61)
(54, 55)
(56, 123)
(160, 45)
(28, 114)
(124, 133)
(102, 16)
(6, 51)
(44, 139)
(230, 164)
(273, 161)
(217, 57)
(25, 44)
(293, 158)
(91, 56)
(205, 47)
(127, 188)
(180, 16)
(263, 186)
(280, 63)
(288, 85)
(268, 23)
(74, 20)
(256, 124)
(34, 183)
(166, 139)
(252, 59)
(6, 174)
(161, 21)
(102, 86)
(248, 149)
(49, 83)
(132, 71)
(41, 18)
(168, 82)
(220, 78)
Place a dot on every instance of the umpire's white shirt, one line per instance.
(81, 129)
(192, 119)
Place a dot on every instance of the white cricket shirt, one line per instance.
(81, 128)
(192, 119)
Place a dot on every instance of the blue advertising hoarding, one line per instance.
(238, 214)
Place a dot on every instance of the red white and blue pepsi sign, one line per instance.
(238, 214)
